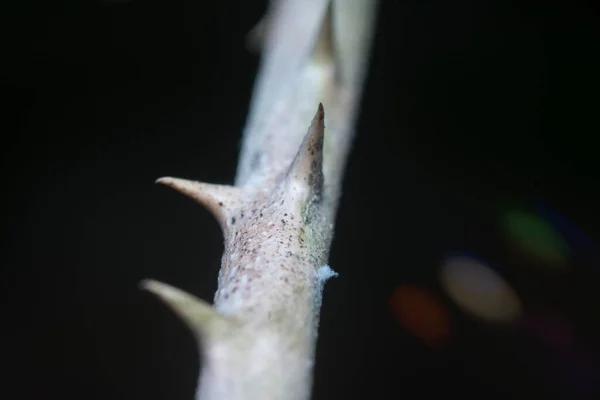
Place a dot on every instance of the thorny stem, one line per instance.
(258, 341)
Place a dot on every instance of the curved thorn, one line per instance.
(257, 36)
(307, 167)
(324, 50)
(199, 316)
(220, 200)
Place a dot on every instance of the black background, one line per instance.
(467, 103)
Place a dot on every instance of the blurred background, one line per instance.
(466, 236)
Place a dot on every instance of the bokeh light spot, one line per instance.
(422, 314)
(536, 237)
(577, 240)
(478, 290)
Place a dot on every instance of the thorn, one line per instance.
(220, 200)
(199, 316)
(257, 36)
(307, 167)
(324, 50)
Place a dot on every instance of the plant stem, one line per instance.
(258, 341)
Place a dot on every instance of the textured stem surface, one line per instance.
(258, 340)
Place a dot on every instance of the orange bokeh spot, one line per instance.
(421, 314)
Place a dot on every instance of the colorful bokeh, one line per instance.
(479, 290)
(422, 314)
(577, 240)
(535, 237)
